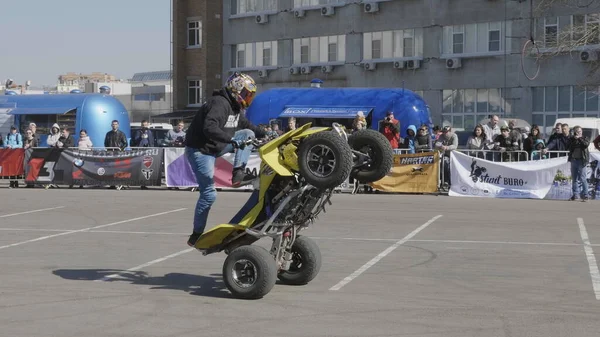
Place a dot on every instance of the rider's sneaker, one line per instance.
(193, 238)
(241, 178)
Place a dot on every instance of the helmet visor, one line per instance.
(247, 97)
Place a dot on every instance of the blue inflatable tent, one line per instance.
(340, 104)
(93, 112)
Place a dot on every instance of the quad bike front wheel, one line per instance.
(306, 262)
(249, 272)
(380, 155)
(325, 159)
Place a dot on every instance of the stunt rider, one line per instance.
(220, 127)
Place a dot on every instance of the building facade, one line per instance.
(463, 56)
(197, 49)
(71, 81)
(151, 94)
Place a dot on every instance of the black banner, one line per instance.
(106, 167)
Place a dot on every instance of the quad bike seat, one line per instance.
(217, 234)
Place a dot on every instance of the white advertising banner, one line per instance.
(179, 173)
(534, 179)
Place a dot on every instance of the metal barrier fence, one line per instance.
(352, 186)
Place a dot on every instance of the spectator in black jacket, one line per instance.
(220, 127)
(143, 137)
(506, 144)
(579, 156)
(559, 142)
(66, 140)
(115, 137)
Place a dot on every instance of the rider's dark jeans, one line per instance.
(204, 168)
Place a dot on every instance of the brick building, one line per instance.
(197, 51)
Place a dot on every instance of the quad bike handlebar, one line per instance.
(251, 141)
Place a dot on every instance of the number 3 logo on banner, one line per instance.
(47, 174)
(40, 170)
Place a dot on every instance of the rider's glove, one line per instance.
(238, 144)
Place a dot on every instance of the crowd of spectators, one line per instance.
(490, 141)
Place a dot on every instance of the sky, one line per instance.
(43, 39)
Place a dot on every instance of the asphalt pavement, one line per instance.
(97, 262)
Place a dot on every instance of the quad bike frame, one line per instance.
(285, 202)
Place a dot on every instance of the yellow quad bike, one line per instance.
(298, 174)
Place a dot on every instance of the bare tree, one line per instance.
(568, 40)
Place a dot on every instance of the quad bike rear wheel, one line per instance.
(306, 262)
(325, 159)
(249, 272)
(381, 155)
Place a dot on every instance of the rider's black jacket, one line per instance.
(215, 124)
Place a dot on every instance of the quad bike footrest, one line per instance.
(216, 235)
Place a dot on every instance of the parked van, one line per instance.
(590, 126)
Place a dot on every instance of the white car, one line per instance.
(590, 126)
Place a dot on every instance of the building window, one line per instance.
(551, 103)
(320, 49)
(475, 38)
(494, 38)
(332, 52)
(465, 108)
(256, 54)
(458, 40)
(252, 6)
(408, 43)
(376, 45)
(550, 32)
(194, 33)
(194, 92)
(592, 28)
(309, 3)
(267, 57)
(393, 44)
(304, 54)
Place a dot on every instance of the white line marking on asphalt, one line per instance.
(589, 253)
(34, 211)
(500, 242)
(456, 241)
(382, 255)
(352, 239)
(106, 278)
(34, 230)
(141, 233)
(90, 228)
